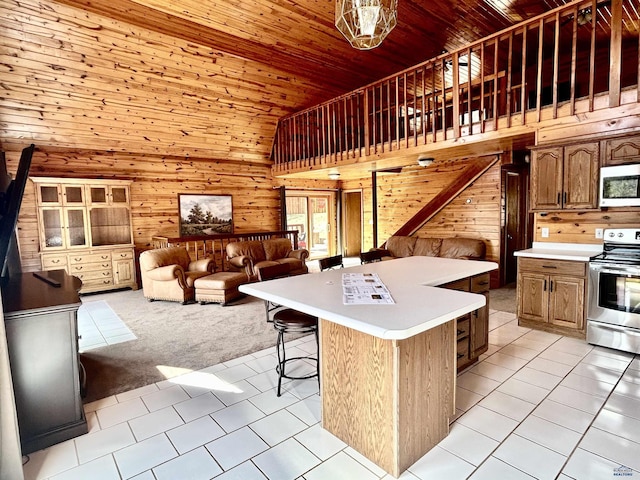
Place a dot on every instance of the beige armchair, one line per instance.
(169, 274)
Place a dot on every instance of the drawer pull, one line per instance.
(460, 355)
(78, 259)
(544, 288)
(105, 265)
(78, 268)
(460, 332)
(549, 266)
(484, 282)
(104, 257)
(55, 261)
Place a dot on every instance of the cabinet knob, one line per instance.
(460, 355)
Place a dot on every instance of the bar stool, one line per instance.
(288, 320)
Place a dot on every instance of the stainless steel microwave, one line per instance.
(620, 186)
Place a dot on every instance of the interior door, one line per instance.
(518, 223)
(352, 241)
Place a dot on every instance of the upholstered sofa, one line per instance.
(169, 274)
(464, 248)
(251, 255)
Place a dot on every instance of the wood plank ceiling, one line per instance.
(204, 79)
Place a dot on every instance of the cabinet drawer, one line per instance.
(462, 328)
(95, 275)
(90, 267)
(462, 285)
(122, 255)
(480, 283)
(50, 262)
(76, 258)
(555, 267)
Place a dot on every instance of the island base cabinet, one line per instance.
(391, 400)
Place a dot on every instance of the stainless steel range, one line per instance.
(613, 312)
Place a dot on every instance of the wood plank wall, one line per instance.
(154, 192)
(401, 195)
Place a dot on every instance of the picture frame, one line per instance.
(203, 214)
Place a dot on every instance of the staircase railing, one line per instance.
(555, 65)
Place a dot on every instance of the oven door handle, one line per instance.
(615, 270)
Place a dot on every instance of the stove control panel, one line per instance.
(628, 236)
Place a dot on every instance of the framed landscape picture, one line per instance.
(205, 214)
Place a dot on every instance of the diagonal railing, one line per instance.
(576, 58)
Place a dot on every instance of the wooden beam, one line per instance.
(467, 176)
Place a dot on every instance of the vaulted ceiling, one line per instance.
(299, 37)
(205, 79)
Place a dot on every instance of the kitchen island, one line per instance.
(387, 371)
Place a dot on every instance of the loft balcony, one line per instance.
(576, 63)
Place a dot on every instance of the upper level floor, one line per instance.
(574, 64)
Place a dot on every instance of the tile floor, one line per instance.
(99, 326)
(537, 405)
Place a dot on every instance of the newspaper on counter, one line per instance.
(364, 289)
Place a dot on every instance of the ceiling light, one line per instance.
(366, 23)
(425, 161)
(334, 176)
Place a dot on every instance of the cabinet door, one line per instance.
(566, 307)
(52, 230)
(479, 338)
(581, 169)
(621, 151)
(76, 227)
(49, 194)
(123, 271)
(533, 296)
(546, 179)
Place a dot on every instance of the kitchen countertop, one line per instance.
(412, 281)
(561, 251)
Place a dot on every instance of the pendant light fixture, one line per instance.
(366, 23)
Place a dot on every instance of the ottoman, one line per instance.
(219, 287)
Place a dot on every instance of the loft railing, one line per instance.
(573, 59)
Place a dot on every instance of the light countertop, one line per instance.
(561, 251)
(411, 281)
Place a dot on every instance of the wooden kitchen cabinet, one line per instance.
(621, 151)
(85, 228)
(551, 295)
(565, 177)
(472, 328)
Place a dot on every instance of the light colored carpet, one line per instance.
(171, 338)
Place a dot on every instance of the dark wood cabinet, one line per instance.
(565, 177)
(42, 340)
(472, 328)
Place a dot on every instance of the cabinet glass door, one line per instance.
(53, 230)
(98, 195)
(73, 194)
(76, 227)
(119, 195)
(49, 195)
